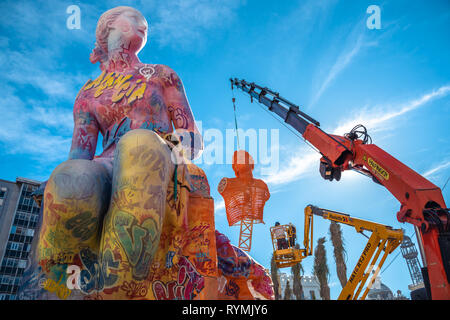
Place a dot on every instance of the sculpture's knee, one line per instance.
(145, 149)
(80, 180)
(142, 138)
(75, 199)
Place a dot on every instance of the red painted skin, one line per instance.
(164, 103)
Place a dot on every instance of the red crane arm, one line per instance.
(421, 202)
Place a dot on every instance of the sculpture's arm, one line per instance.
(85, 132)
(180, 112)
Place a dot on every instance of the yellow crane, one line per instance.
(383, 238)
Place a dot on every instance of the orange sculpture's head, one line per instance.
(243, 163)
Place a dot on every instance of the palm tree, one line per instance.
(321, 268)
(287, 291)
(297, 273)
(400, 296)
(274, 274)
(339, 252)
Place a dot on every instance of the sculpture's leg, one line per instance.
(75, 200)
(132, 227)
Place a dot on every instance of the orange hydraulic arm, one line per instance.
(421, 202)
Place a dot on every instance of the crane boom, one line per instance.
(421, 202)
(383, 239)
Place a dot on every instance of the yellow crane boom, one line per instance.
(383, 238)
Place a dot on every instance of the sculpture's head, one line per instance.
(117, 27)
(243, 163)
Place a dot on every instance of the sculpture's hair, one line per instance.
(100, 52)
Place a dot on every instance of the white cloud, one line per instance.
(38, 90)
(353, 45)
(297, 166)
(219, 205)
(306, 161)
(439, 167)
(373, 118)
(342, 61)
(186, 22)
(43, 134)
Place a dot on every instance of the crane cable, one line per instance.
(445, 184)
(235, 117)
(282, 123)
(394, 257)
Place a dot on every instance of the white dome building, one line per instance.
(379, 291)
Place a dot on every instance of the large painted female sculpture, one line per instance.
(134, 222)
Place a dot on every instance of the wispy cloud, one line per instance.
(352, 46)
(443, 165)
(219, 205)
(342, 61)
(374, 117)
(38, 89)
(187, 23)
(297, 166)
(39, 83)
(43, 134)
(306, 161)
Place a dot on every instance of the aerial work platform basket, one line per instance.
(244, 198)
(286, 252)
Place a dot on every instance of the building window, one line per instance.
(22, 264)
(2, 192)
(19, 242)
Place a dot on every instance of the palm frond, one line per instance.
(297, 272)
(287, 291)
(274, 276)
(339, 252)
(321, 268)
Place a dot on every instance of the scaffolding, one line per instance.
(409, 252)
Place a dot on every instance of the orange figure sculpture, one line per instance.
(244, 197)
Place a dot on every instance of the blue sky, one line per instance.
(318, 54)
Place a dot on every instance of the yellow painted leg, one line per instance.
(133, 224)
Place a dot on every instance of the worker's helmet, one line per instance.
(277, 223)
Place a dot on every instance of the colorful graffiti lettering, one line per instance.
(83, 225)
(57, 287)
(189, 282)
(134, 290)
(96, 276)
(120, 85)
(232, 289)
(138, 241)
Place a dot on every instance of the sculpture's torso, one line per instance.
(135, 95)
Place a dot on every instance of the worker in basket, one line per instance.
(292, 234)
(280, 235)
